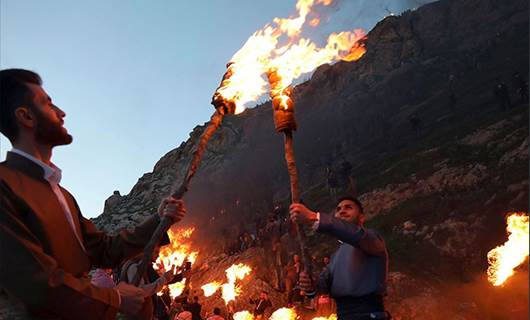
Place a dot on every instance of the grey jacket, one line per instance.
(359, 266)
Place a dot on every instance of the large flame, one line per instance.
(177, 288)
(177, 251)
(210, 288)
(175, 254)
(504, 259)
(279, 46)
(243, 315)
(284, 314)
(236, 272)
(331, 317)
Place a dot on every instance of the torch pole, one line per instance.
(222, 107)
(284, 121)
(295, 197)
(178, 193)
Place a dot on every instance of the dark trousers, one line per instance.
(358, 308)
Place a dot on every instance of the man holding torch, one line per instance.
(46, 246)
(356, 275)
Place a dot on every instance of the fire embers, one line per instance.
(504, 259)
(282, 104)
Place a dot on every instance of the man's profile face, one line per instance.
(348, 211)
(49, 128)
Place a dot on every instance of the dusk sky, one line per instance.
(135, 77)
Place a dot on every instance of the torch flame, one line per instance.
(210, 288)
(284, 314)
(243, 315)
(236, 272)
(175, 254)
(177, 251)
(505, 258)
(177, 288)
(331, 317)
(294, 57)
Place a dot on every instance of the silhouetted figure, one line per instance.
(345, 173)
(195, 309)
(216, 314)
(503, 96)
(415, 124)
(261, 305)
(522, 87)
(292, 271)
(332, 181)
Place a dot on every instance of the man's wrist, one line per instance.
(315, 222)
(119, 297)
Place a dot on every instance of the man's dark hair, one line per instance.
(355, 200)
(217, 311)
(14, 93)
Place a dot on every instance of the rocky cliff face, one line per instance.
(435, 159)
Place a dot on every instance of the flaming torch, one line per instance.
(244, 82)
(284, 121)
(505, 258)
(222, 107)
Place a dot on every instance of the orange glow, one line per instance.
(210, 288)
(177, 288)
(175, 254)
(279, 46)
(314, 22)
(177, 251)
(331, 317)
(503, 259)
(243, 315)
(284, 314)
(236, 272)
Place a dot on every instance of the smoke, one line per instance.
(479, 299)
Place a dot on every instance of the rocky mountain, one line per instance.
(437, 160)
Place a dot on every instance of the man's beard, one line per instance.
(50, 133)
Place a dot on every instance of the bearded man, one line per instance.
(46, 246)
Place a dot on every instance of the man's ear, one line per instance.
(25, 117)
(362, 218)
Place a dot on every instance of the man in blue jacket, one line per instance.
(356, 275)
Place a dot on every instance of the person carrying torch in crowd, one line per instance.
(46, 246)
(356, 274)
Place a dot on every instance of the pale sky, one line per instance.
(135, 77)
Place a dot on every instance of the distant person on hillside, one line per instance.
(415, 124)
(503, 96)
(522, 87)
(332, 181)
(356, 274)
(292, 272)
(195, 308)
(216, 315)
(261, 305)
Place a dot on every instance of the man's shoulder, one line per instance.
(374, 232)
